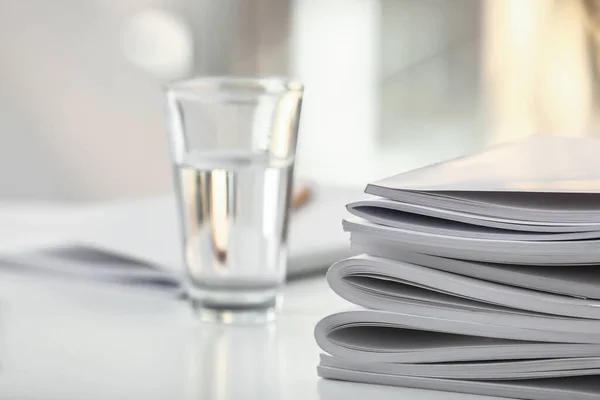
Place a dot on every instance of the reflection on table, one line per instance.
(76, 340)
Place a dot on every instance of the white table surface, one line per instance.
(81, 340)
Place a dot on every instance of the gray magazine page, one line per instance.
(494, 251)
(577, 250)
(392, 213)
(430, 320)
(572, 388)
(382, 284)
(490, 370)
(420, 224)
(450, 319)
(557, 182)
(529, 207)
(582, 282)
(360, 341)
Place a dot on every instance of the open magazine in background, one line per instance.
(480, 275)
(137, 241)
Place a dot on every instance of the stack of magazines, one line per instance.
(478, 275)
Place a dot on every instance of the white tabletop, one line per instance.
(80, 340)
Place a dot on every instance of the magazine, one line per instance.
(477, 275)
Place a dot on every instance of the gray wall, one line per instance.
(78, 121)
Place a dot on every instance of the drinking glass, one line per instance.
(233, 144)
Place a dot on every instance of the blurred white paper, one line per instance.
(138, 240)
(27, 227)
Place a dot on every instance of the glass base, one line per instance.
(235, 306)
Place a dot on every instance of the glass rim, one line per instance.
(234, 84)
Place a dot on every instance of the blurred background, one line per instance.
(390, 84)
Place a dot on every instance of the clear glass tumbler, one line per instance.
(233, 144)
